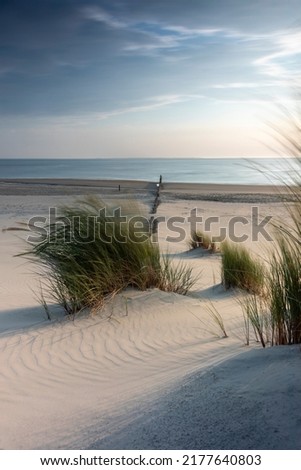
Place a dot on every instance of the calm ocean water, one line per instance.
(190, 170)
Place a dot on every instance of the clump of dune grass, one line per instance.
(256, 313)
(285, 291)
(203, 240)
(285, 261)
(217, 319)
(240, 269)
(89, 255)
(199, 239)
(246, 328)
(178, 279)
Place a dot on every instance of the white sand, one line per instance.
(79, 384)
(248, 402)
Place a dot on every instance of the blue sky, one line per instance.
(174, 78)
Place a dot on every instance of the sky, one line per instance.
(135, 78)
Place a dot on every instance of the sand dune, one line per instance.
(139, 345)
(73, 383)
(247, 402)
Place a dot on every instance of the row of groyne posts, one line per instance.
(152, 220)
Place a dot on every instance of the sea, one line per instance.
(253, 171)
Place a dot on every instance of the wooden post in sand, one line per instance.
(153, 224)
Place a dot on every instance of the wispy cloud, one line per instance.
(156, 44)
(286, 45)
(99, 14)
(234, 85)
(165, 36)
(188, 32)
(249, 85)
(152, 35)
(150, 104)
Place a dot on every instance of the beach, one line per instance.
(147, 369)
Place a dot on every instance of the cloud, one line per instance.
(96, 13)
(224, 86)
(156, 36)
(286, 45)
(149, 36)
(149, 105)
(71, 57)
(250, 85)
(190, 32)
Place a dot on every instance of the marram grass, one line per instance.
(85, 263)
(240, 269)
(285, 291)
(204, 240)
